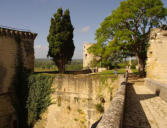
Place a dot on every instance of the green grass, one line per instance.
(111, 72)
(46, 65)
(135, 71)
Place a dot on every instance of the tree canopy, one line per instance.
(126, 31)
(60, 38)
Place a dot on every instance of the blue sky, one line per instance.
(34, 15)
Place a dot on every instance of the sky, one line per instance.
(35, 15)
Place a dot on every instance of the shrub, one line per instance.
(99, 108)
(133, 66)
(39, 96)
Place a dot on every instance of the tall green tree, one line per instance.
(130, 25)
(60, 38)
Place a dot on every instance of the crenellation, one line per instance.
(14, 33)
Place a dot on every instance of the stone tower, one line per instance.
(87, 58)
(16, 50)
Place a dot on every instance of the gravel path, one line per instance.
(143, 109)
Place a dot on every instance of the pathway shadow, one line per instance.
(134, 115)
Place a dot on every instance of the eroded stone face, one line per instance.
(157, 56)
(75, 98)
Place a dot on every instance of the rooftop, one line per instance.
(23, 33)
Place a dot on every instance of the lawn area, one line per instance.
(135, 71)
(111, 72)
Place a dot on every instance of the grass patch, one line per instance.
(135, 71)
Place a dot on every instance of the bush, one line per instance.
(39, 96)
(99, 108)
(134, 64)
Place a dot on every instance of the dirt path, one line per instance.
(143, 109)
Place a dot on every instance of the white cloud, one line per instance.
(41, 51)
(85, 29)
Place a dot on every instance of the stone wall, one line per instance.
(156, 66)
(113, 117)
(76, 98)
(16, 47)
(157, 87)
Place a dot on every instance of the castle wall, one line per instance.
(16, 48)
(8, 53)
(75, 98)
(156, 66)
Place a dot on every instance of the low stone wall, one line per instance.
(157, 87)
(114, 115)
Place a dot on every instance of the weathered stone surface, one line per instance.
(157, 53)
(87, 57)
(15, 47)
(156, 67)
(75, 99)
(114, 115)
(143, 108)
(157, 87)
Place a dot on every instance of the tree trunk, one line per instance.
(61, 67)
(141, 65)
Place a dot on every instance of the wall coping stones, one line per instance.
(25, 34)
(157, 87)
(113, 117)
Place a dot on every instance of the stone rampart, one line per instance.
(79, 100)
(113, 117)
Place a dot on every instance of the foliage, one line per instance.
(123, 64)
(134, 64)
(60, 38)
(45, 64)
(126, 30)
(99, 108)
(135, 71)
(21, 92)
(39, 96)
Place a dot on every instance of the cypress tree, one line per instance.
(60, 38)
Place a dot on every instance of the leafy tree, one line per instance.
(60, 38)
(129, 25)
(98, 50)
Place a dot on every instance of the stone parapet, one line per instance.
(6, 31)
(157, 87)
(114, 115)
